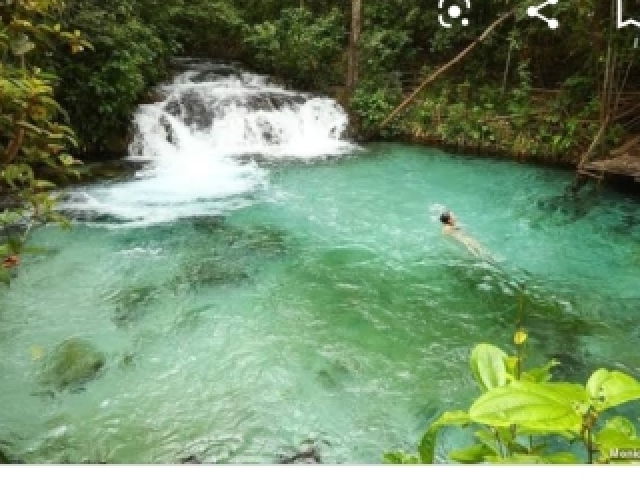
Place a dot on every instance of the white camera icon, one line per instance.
(453, 12)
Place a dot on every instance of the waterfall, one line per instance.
(208, 143)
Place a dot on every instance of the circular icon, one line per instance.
(455, 11)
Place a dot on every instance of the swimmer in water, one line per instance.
(450, 227)
(449, 222)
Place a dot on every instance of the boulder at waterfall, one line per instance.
(201, 113)
(71, 364)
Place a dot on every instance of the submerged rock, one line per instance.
(128, 303)
(308, 453)
(227, 254)
(73, 363)
(257, 239)
(127, 360)
(211, 272)
(191, 459)
(6, 459)
(190, 108)
(208, 224)
(334, 374)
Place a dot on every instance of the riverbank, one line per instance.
(543, 142)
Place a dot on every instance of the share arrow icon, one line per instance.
(535, 12)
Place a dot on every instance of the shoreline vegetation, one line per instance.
(74, 71)
(502, 85)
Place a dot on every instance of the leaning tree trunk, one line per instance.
(446, 67)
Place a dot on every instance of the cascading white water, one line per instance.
(204, 141)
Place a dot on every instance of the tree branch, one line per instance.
(445, 67)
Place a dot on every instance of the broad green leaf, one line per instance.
(622, 425)
(454, 417)
(618, 432)
(400, 458)
(607, 439)
(427, 445)
(546, 407)
(611, 388)
(473, 454)
(595, 382)
(488, 366)
(569, 435)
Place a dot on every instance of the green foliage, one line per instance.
(488, 366)
(299, 47)
(200, 26)
(134, 43)
(34, 138)
(372, 101)
(551, 407)
(609, 389)
(516, 414)
(381, 48)
(102, 91)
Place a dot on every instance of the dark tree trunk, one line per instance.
(356, 26)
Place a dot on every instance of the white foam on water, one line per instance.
(202, 142)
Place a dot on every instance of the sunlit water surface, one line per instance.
(247, 304)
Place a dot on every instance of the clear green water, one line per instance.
(331, 309)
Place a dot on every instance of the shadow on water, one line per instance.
(205, 252)
(565, 208)
(458, 302)
(571, 206)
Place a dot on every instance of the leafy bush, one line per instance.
(101, 92)
(299, 47)
(519, 411)
(33, 133)
(372, 101)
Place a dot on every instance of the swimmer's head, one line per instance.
(447, 218)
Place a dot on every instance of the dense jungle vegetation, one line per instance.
(74, 71)
(525, 90)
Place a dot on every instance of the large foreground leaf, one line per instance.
(488, 366)
(611, 388)
(543, 407)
